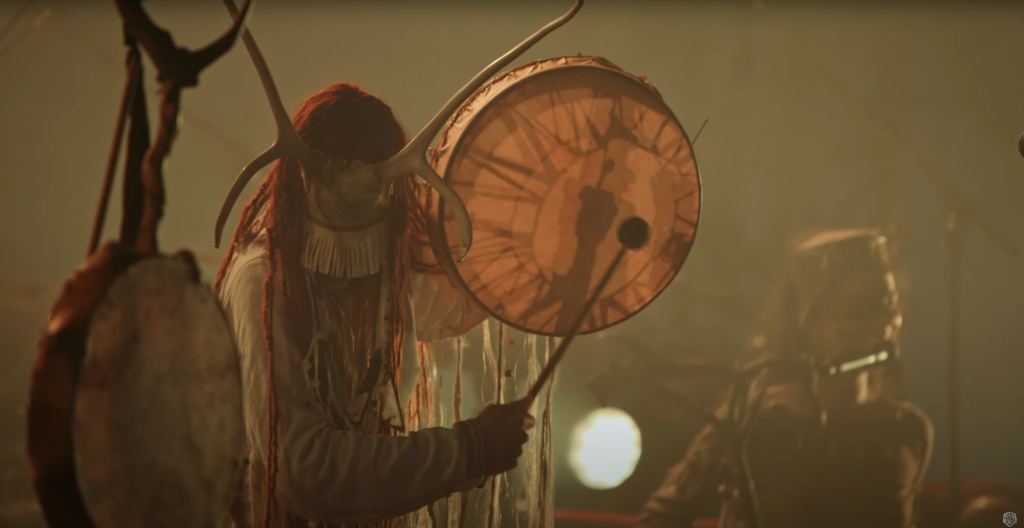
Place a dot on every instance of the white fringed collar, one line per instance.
(346, 254)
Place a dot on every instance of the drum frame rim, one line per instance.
(442, 155)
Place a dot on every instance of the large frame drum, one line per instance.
(549, 159)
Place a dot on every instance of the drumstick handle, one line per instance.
(575, 328)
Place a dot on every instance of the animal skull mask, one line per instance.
(346, 196)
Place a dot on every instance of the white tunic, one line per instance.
(328, 472)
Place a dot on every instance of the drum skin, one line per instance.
(158, 426)
(550, 158)
(55, 442)
(52, 390)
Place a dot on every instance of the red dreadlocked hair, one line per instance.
(342, 122)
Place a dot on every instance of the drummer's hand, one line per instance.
(504, 430)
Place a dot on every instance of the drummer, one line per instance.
(865, 466)
(336, 308)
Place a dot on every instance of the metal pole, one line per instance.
(953, 241)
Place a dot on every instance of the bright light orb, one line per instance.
(605, 448)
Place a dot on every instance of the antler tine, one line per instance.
(434, 126)
(287, 143)
(254, 166)
(178, 66)
(412, 157)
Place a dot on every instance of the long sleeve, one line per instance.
(327, 474)
(689, 490)
(440, 310)
(874, 471)
(778, 463)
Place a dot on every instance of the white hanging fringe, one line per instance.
(546, 489)
(527, 493)
(530, 482)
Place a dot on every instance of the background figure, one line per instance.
(865, 465)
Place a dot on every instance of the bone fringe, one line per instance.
(513, 481)
(345, 254)
(546, 499)
(440, 512)
(491, 361)
(457, 502)
(433, 516)
(499, 371)
(531, 485)
(494, 505)
(531, 453)
(423, 418)
(427, 411)
(457, 391)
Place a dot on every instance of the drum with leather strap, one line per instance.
(135, 412)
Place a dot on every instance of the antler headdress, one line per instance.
(345, 176)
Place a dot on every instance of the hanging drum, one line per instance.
(549, 159)
(158, 430)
